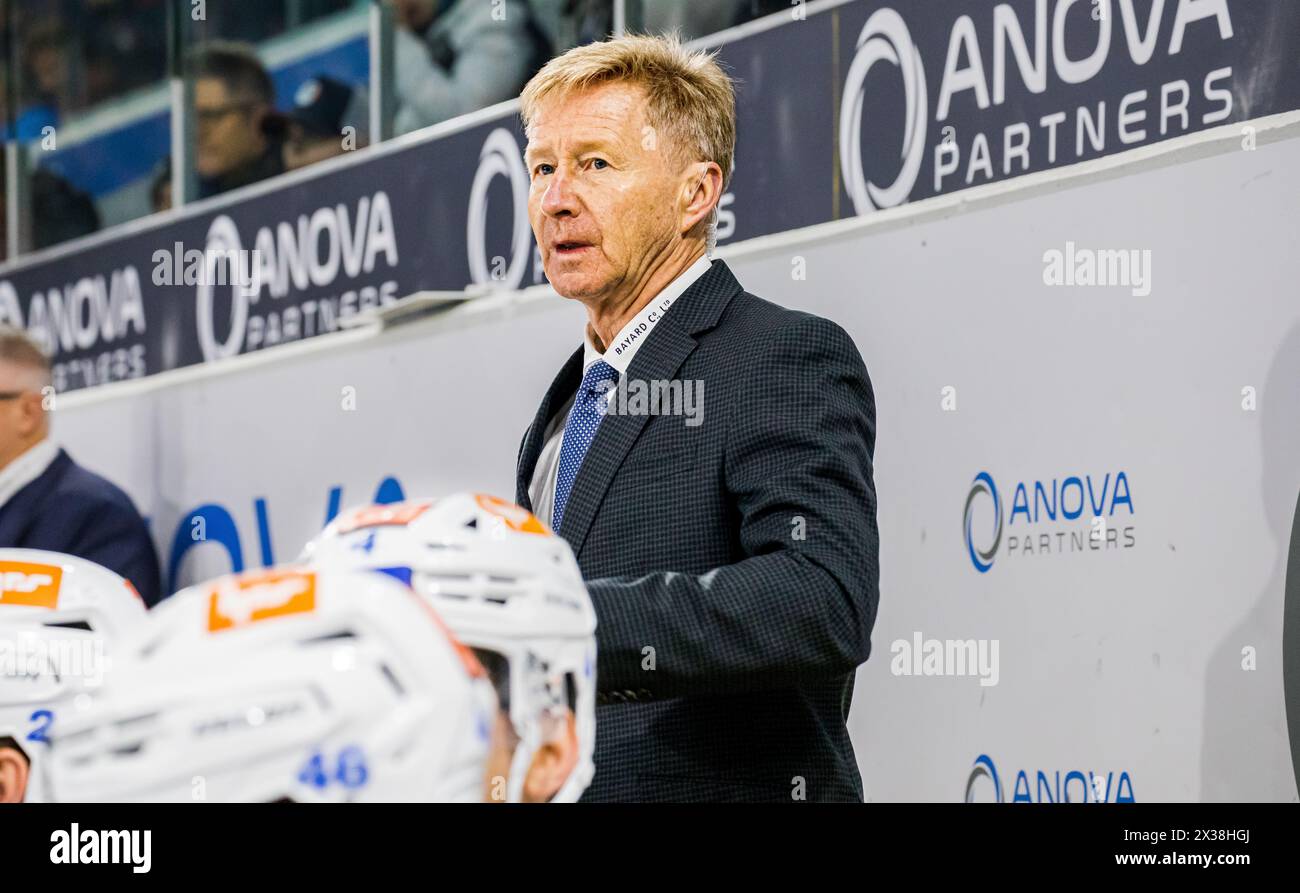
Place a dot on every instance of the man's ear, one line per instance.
(703, 191)
(13, 775)
(553, 762)
(32, 414)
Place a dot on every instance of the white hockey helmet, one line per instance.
(60, 616)
(503, 583)
(284, 684)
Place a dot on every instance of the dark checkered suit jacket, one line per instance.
(738, 558)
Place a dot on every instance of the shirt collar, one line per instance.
(630, 338)
(26, 468)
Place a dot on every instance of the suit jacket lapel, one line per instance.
(564, 385)
(658, 359)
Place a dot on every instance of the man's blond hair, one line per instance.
(19, 350)
(688, 96)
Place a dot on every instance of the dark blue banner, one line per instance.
(856, 108)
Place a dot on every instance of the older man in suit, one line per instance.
(729, 540)
(47, 501)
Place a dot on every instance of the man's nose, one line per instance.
(560, 198)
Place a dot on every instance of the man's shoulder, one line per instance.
(760, 327)
(92, 492)
(747, 308)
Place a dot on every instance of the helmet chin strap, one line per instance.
(521, 762)
(36, 792)
(531, 740)
(569, 791)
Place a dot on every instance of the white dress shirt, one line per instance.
(541, 491)
(26, 468)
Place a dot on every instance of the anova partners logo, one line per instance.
(500, 156)
(1039, 524)
(884, 38)
(983, 785)
(1032, 45)
(318, 270)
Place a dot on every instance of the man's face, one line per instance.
(21, 411)
(605, 196)
(228, 130)
(50, 68)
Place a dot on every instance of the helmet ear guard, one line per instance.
(537, 714)
(540, 718)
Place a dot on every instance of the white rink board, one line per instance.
(1116, 660)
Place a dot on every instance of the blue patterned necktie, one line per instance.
(580, 431)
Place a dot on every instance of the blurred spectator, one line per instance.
(455, 56)
(755, 9)
(59, 211)
(314, 129)
(568, 23)
(254, 22)
(233, 94)
(76, 54)
(690, 20)
(44, 80)
(124, 46)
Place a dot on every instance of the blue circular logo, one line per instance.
(981, 558)
(983, 768)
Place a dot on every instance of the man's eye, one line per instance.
(599, 163)
(543, 169)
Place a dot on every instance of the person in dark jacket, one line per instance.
(732, 556)
(233, 94)
(456, 56)
(60, 211)
(47, 501)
